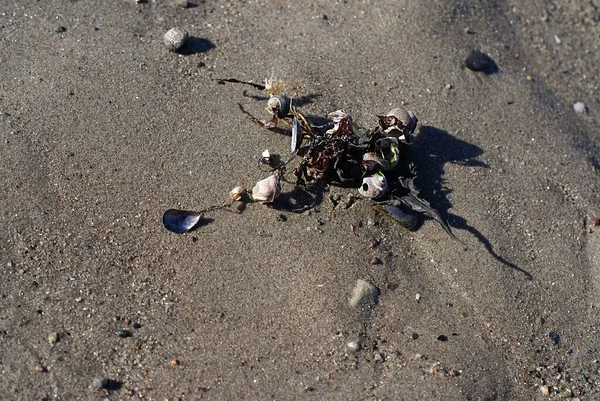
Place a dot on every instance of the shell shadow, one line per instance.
(432, 149)
(196, 45)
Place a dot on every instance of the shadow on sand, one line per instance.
(432, 149)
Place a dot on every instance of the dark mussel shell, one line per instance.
(180, 221)
(406, 219)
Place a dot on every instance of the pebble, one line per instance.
(377, 357)
(124, 333)
(478, 61)
(353, 346)
(545, 391)
(579, 107)
(418, 297)
(363, 291)
(175, 38)
(442, 338)
(53, 338)
(100, 383)
(554, 337)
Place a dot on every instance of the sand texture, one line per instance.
(102, 129)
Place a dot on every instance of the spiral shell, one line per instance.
(267, 190)
(279, 105)
(399, 123)
(374, 186)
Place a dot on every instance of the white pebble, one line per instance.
(353, 346)
(418, 297)
(175, 38)
(579, 107)
(557, 40)
(363, 291)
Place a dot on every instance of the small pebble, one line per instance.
(363, 291)
(53, 338)
(545, 391)
(40, 368)
(376, 261)
(100, 383)
(353, 346)
(442, 338)
(61, 29)
(124, 333)
(415, 336)
(478, 61)
(136, 325)
(174, 39)
(554, 337)
(579, 107)
(377, 357)
(181, 3)
(418, 297)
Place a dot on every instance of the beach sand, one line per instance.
(102, 129)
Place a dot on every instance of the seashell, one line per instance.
(279, 105)
(342, 123)
(374, 186)
(174, 39)
(265, 157)
(386, 142)
(265, 191)
(398, 122)
(370, 162)
(237, 193)
(180, 221)
(406, 219)
(296, 135)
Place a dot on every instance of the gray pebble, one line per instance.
(175, 38)
(124, 333)
(363, 291)
(100, 383)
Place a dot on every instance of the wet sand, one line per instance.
(102, 130)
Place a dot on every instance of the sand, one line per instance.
(102, 129)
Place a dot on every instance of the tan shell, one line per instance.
(267, 190)
(237, 192)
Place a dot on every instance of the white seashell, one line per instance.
(265, 157)
(374, 186)
(237, 193)
(267, 190)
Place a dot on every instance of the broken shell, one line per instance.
(265, 157)
(175, 38)
(279, 105)
(296, 136)
(398, 119)
(374, 186)
(370, 162)
(342, 123)
(265, 191)
(406, 219)
(180, 221)
(237, 193)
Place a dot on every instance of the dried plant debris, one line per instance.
(376, 162)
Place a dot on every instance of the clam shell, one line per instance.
(374, 186)
(267, 190)
(370, 161)
(180, 221)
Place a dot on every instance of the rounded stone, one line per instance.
(478, 61)
(174, 39)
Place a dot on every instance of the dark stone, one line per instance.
(61, 29)
(554, 337)
(442, 338)
(124, 333)
(478, 61)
